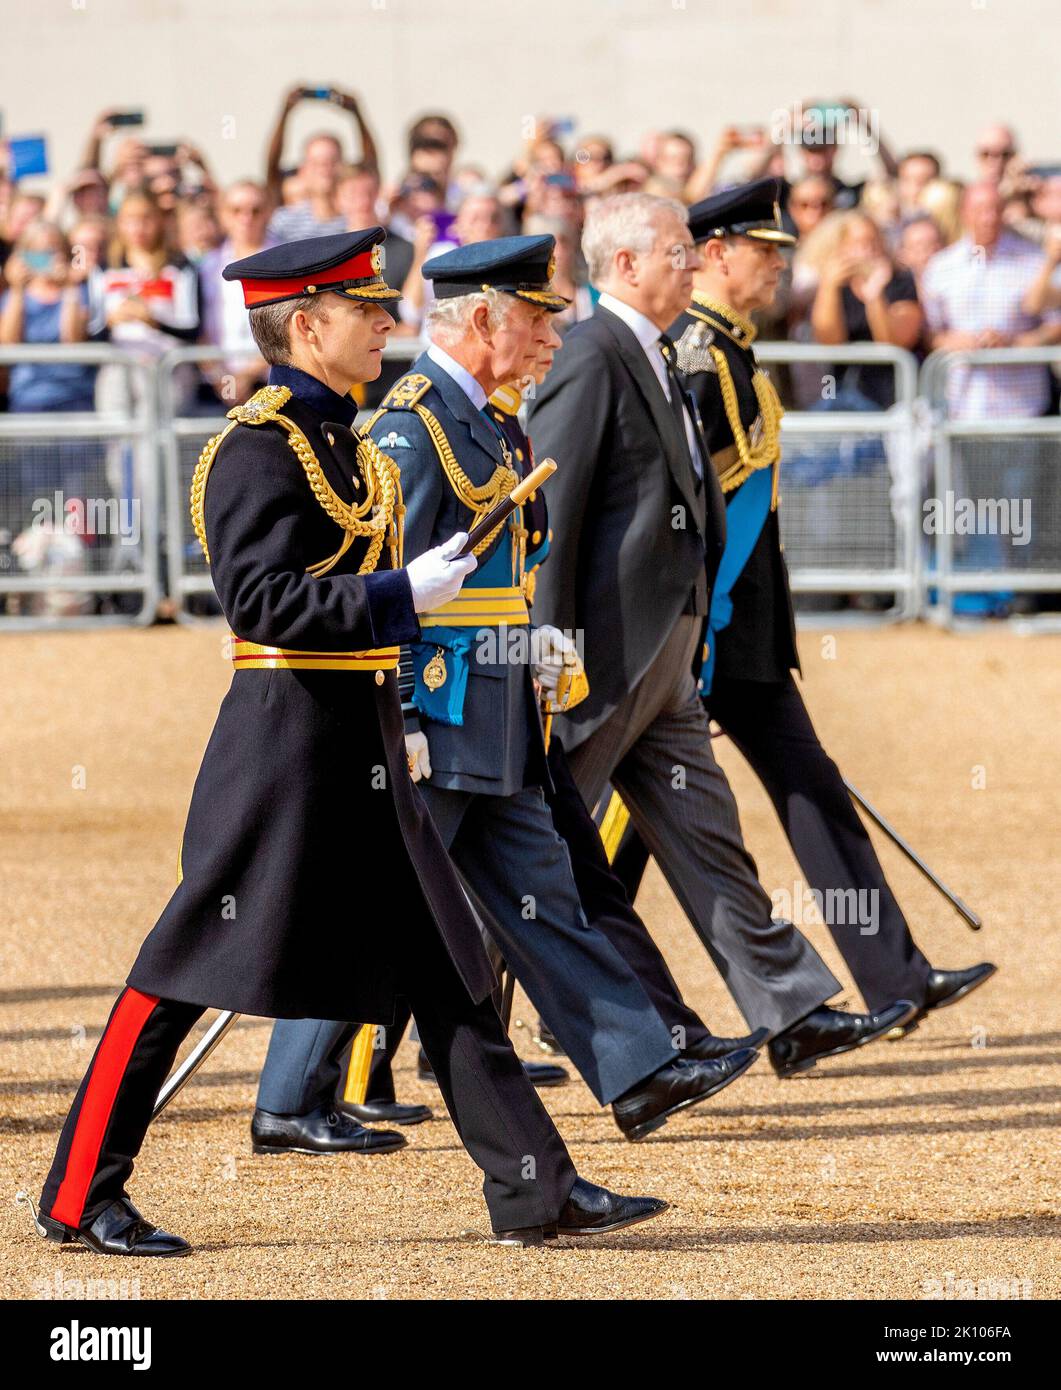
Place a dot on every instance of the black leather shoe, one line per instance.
(593, 1211)
(710, 1048)
(320, 1132)
(945, 987)
(589, 1211)
(384, 1112)
(538, 1073)
(679, 1084)
(118, 1230)
(827, 1032)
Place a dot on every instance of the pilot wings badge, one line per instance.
(692, 351)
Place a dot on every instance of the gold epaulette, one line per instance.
(262, 407)
(383, 500)
(403, 395)
(407, 391)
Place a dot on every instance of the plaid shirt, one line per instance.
(967, 292)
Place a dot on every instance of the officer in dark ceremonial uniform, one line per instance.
(313, 881)
(750, 645)
(602, 894)
(473, 728)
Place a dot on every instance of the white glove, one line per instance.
(436, 576)
(553, 652)
(418, 755)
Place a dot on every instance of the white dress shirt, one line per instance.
(461, 375)
(648, 335)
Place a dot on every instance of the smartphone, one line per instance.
(166, 151)
(317, 93)
(39, 260)
(126, 118)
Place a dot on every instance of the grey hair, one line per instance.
(447, 320)
(269, 326)
(624, 221)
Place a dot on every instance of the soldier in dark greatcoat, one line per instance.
(313, 881)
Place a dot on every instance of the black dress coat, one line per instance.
(310, 864)
(631, 524)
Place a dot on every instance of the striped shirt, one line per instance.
(968, 290)
(297, 222)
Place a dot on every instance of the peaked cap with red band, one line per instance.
(350, 263)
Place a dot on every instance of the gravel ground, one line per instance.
(934, 1159)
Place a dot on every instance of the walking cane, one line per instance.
(974, 920)
(617, 817)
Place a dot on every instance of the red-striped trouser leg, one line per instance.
(112, 1109)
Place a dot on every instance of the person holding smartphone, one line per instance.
(130, 155)
(317, 213)
(863, 298)
(45, 302)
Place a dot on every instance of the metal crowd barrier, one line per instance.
(997, 493)
(853, 485)
(79, 504)
(849, 483)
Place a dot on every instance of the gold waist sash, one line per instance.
(252, 656)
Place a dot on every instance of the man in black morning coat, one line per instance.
(636, 508)
(313, 881)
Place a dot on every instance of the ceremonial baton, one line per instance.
(975, 922)
(496, 515)
(194, 1060)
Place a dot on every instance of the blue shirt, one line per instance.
(45, 385)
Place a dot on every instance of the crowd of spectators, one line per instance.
(129, 249)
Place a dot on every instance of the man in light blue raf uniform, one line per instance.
(473, 731)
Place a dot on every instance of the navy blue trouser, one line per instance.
(518, 868)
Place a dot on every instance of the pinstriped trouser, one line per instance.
(655, 749)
